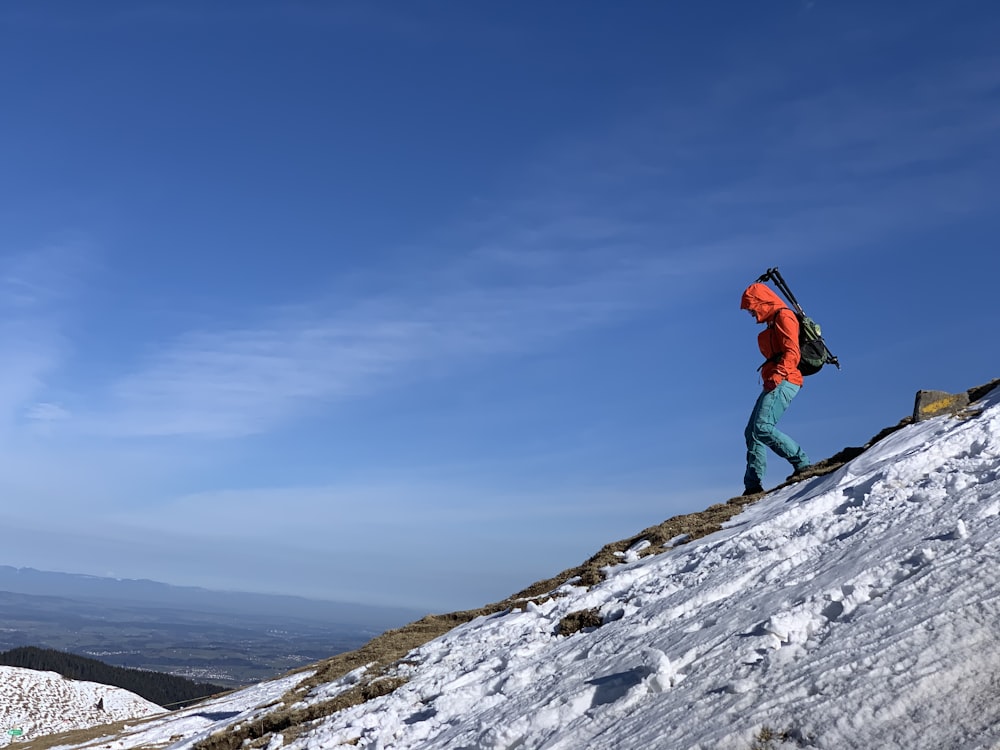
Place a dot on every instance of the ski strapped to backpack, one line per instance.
(812, 348)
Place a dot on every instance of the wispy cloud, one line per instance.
(34, 282)
(37, 288)
(227, 383)
(777, 160)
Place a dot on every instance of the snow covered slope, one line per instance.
(855, 610)
(40, 703)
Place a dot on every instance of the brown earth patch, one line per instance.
(574, 622)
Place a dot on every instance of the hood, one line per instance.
(762, 301)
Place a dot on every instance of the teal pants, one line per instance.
(762, 433)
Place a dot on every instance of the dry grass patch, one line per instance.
(769, 739)
(574, 622)
(74, 737)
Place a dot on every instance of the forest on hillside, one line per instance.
(164, 690)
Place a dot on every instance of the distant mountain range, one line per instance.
(146, 592)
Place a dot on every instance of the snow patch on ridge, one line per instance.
(40, 703)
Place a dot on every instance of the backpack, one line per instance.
(812, 348)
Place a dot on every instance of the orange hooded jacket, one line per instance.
(779, 342)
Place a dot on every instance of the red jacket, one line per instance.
(779, 342)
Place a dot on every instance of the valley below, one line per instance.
(228, 640)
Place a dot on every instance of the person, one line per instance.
(779, 343)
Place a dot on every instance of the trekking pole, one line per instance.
(774, 275)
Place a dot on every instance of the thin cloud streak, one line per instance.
(36, 290)
(219, 384)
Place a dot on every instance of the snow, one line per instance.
(198, 722)
(854, 610)
(40, 703)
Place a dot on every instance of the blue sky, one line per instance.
(295, 294)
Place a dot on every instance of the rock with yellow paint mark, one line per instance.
(935, 403)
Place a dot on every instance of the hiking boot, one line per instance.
(799, 473)
(754, 489)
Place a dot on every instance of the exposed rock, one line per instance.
(935, 403)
